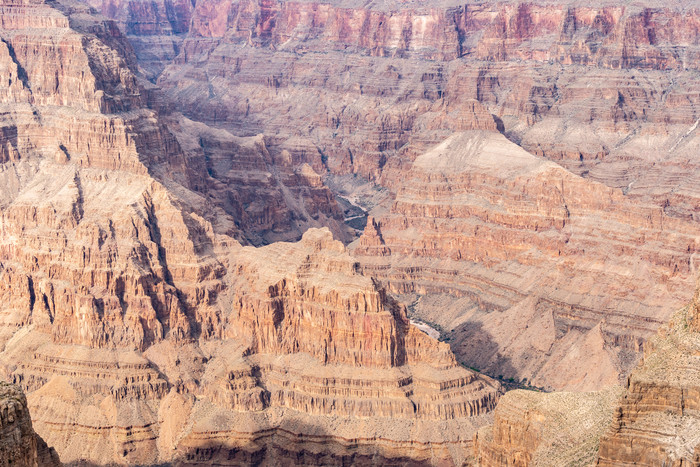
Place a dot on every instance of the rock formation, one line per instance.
(155, 29)
(658, 421)
(608, 91)
(539, 429)
(300, 355)
(540, 170)
(605, 91)
(140, 326)
(528, 265)
(20, 446)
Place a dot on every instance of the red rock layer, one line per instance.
(143, 331)
(155, 29)
(586, 86)
(299, 344)
(520, 243)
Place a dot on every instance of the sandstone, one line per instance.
(19, 444)
(517, 249)
(657, 421)
(143, 329)
(250, 382)
(606, 92)
(149, 324)
(542, 429)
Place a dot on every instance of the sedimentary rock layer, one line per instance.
(298, 345)
(658, 420)
(526, 264)
(142, 329)
(546, 429)
(20, 446)
(607, 91)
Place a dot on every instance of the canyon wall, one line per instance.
(526, 265)
(657, 421)
(606, 91)
(137, 316)
(652, 420)
(20, 446)
(546, 429)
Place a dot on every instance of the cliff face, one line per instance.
(19, 444)
(546, 429)
(299, 354)
(656, 422)
(655, 418)
(155, 29)
(143, 330)
(605, 91)
(502, 248)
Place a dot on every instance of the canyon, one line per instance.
(606, 92)
(219, 220)
(138, 313)
(653, 420)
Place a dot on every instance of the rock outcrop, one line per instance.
(301, 354)
(155, 29)
(605, 91)
(546, 429)
(608, 91)
(658, 419)
(20, 446)
(528, 265)
(655, 421)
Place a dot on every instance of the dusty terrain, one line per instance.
(546, 429)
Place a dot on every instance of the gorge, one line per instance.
(220, 218)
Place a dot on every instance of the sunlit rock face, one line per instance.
(606, 91)
(19, 444)
(656, 422)
(528, 265)
(141, 327)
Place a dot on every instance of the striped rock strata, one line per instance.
(657, 421)
(141, 328)
(528, 266)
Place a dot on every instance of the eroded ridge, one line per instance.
(19, 444)
(141, 327)
(532, 263)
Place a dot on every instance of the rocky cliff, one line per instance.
(20, 446)
(546, 429)
(300, 355)
(526, 265)
(653, 420)
(657, 422)
(606, 91)
(141, 327)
